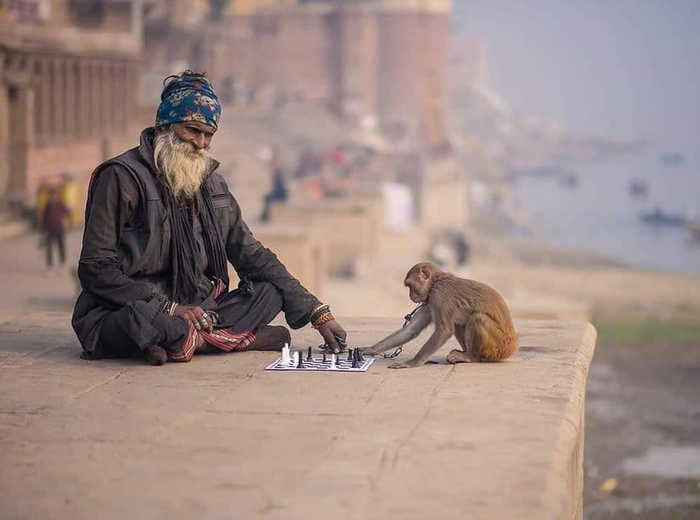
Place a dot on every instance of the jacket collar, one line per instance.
(146, 150)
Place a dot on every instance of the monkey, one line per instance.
(475, 313)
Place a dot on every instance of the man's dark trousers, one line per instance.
(128, 331)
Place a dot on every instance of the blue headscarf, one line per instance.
(188, 96)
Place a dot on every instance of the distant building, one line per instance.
(379, 63)
(68, 76)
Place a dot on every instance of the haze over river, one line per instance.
(600, 215)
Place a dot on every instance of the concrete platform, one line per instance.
(221, 438)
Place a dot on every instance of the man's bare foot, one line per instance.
(155, 355)
(270, 337)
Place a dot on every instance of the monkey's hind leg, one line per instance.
(488, 341)
(464, 355)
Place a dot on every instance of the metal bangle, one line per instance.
(318, 312)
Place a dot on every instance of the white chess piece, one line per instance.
(334, 360)
(285, 354)
(296, 358)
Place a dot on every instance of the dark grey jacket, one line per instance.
(126, 244)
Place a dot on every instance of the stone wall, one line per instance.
(113, 27)
(288, 52)
(356, 64)
(299, 249)
(60, 111)
(472, 441)
(350, 230)
(68, 87)
(365, 60)
(442, 197)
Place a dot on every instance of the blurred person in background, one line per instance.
(279, 193)
(160, 229)
(55, 218)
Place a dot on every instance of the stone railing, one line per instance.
(221, 437)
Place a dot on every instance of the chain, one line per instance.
(407, 319)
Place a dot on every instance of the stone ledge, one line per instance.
(220, 437)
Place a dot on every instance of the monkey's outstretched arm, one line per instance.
(419, 321)
(438, 338)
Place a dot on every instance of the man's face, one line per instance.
(195, 133)
(180, 153)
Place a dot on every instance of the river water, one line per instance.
(600, 215)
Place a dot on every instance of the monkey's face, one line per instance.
(418, 286)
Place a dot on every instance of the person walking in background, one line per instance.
(54, 220)
(278, 192)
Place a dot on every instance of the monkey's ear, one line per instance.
(424, 273)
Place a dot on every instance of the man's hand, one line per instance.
(331, 331)
(196, 316)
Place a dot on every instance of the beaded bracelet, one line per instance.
(325, 318)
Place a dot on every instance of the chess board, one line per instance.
(317, 364)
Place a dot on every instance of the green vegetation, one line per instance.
(645, 331)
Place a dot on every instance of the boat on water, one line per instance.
(569, 180)
(693, 226)
(657, 217)
(547, 171)
(639, 188)
(672, 159)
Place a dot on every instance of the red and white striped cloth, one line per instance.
(222, 339)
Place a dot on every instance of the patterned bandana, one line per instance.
(188, 97)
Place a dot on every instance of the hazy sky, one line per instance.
(616, 68)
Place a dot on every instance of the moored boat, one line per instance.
(657, 217)
(638, 188)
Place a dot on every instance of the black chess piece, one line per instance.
(355, 358)
(309, 357)
(350, 354)
(324, 356)
(360, 357)
(300, 364)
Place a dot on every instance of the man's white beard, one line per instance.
(182, 165)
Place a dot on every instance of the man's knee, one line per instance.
(269, 294)
(136, 324)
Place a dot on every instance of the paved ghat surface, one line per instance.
(222, 438)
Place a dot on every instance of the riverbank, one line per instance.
(641, 453)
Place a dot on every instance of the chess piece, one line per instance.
(355, 362)
(350, 358)
(300, 357)
(285, 354)
(324, 356)
(360, 357)
(334, 361)
(309, 357)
